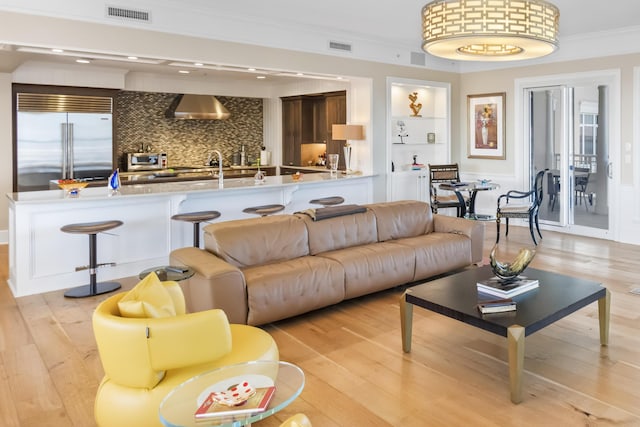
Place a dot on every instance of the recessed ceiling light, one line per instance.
(57, 50)
(83, 61)
(299, 74)
(133, 58)
(261, 77)
(251, 69)
(183, 71)
(339, 77)
(198, 64)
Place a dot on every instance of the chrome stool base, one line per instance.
(92, 289)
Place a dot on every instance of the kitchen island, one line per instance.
(42, 258)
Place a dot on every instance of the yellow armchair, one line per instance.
(145, 358)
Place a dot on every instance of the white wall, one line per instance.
(623, 145)
(6, 159)
(19, 28)
(370, 89)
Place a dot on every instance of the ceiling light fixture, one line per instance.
(83, 61)
(489, 30)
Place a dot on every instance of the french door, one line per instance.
(567, 136)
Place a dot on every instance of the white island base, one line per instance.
(42, 258)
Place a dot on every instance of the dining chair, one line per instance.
(581, 181)
(527, 210)
(439, 174)
(553, 188)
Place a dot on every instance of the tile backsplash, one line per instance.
(141, 121)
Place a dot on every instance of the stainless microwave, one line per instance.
(146, 161)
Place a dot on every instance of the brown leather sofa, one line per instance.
(260, 270)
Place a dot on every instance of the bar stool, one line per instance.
(264, 210)
(93, 288)
(328, 201)
(196, 218)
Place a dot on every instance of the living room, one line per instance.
(355, 346)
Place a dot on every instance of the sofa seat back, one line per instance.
(340, 232)
(402, 219)
(257, 241)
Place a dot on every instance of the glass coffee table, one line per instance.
(456, 296)
(168, 272)
(177, 409)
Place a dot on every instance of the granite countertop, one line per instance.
(188, 186)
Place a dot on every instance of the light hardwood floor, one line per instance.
(356, 372)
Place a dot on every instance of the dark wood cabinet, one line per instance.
(291, 130)
(308, 119)
(336, 111)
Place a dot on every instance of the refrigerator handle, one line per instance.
(65, 151)
(70, 149)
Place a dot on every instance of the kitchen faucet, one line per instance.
(220, 177)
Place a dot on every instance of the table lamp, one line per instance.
(347, 133)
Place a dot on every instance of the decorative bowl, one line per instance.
(71, 186)
(511, 270)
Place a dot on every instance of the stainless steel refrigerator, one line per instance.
(62, 137)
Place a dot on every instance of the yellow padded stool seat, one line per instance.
(145, 358)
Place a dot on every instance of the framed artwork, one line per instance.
(486, 126)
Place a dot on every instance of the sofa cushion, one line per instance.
(438, 253)
(405, 218)
(340, 232)
(288, 288)
(257, 241)
(149, 298)
(371, 268)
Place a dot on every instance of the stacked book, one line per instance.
(497, 306)
(232, 405)
(504, 290)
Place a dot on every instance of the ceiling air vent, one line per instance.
(122, 13)
(418, 58)
(345, 47)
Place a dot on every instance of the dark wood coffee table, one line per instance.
(456, 296)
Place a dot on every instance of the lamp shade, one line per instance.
(489, 30)
(347, 132)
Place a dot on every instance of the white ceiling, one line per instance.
(398, 21)
(378, 31)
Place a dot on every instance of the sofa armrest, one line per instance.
(474, 230)
(216, 284)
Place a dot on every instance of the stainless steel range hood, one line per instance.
(203, 107)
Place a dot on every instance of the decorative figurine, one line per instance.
(402, 131)
(415, 107)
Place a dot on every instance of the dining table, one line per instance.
(468, 210)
